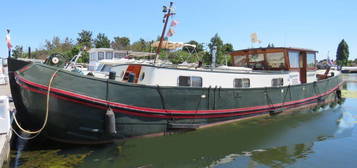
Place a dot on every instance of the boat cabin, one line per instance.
(98, 54)
(277, 59)
(253, 68)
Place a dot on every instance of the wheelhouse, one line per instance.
(277, 59)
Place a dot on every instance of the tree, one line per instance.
(342, 53)
(141, 45)
(215, 41)
(85, 38)
(18, 52)
(227, 48)
(102, 41)
(55, 43)
(84, 55)
(222, 50)
(121, 43)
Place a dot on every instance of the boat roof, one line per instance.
(271, 49)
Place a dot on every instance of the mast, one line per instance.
(166, 17)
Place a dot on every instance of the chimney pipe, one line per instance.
(213, 52)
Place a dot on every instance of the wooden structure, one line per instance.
(281, 59)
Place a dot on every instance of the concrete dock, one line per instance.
(5, 131)
(5, 148)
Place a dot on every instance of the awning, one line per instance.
(140, 54)
(171, 45)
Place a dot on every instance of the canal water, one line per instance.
(323, 138)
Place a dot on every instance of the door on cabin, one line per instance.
(303, 67)
(132, 73)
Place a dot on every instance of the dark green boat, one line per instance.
(78, 104)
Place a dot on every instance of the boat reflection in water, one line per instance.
(295, 155)
(273, 142)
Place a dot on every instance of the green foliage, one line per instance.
(56, 45)
(141, 45)
(121, 43)
(227, 48)
(102, 41)
(75, 50)
(179, 57)
(222, 51)
(40, 54)
(342, 53)
(18, 52)
(85, 38)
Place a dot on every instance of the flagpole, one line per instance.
(8, 41)
(167, 16)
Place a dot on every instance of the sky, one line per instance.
(312, 24)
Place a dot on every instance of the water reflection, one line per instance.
(346, 123)
(227, 143)
(274, 157)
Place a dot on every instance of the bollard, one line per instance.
(4, 114)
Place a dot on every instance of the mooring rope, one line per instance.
(46, 116)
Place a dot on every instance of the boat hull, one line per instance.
(78, 104)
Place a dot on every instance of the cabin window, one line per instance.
(106, 68)
(122, 55)
(241, 83)
(310, 59)
(116, 55)
(240, 61)
(93, 57)
(256, 61)
(108, 55)
(100, 55)
(294, 59)
(277, 82)
(193, 81)
(276, 60)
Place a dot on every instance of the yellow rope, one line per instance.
(46, 117)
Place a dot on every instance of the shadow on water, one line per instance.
(279, 141)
